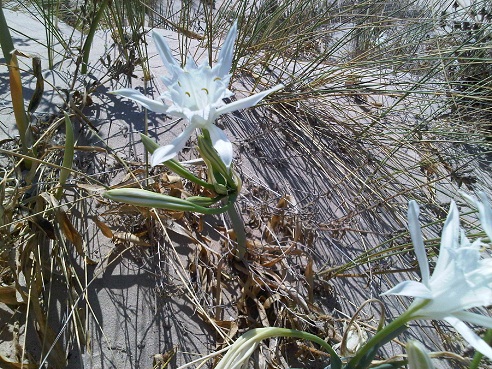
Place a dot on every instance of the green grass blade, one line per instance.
(67, 155)
(5, 38)
(86, 50)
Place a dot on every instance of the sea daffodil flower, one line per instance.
(196, 94)
(461, 279)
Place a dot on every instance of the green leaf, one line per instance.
(5, 38)
(67, 155)
(140, 197)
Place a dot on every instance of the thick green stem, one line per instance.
(477, 358)
(238, 227)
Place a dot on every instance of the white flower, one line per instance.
(196, 93)
(461, 280)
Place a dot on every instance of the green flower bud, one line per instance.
(418, 357)
(140, 197)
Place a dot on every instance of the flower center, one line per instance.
(199, 90)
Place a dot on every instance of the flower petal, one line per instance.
(471, 296)
(478, 319)
(450, 237)
(165, 52)
(470, 336)
(190, 63)
(485, 214)
(226, 54)
(248, 101)
(167, 152)
(157, 106)
(418, 241)
(221, 144)
(410, 288)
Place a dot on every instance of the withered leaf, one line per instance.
(129, 237)
(91, 187)
(309, 274)
(6, 364)
(106, 231)
(8, 295)
(38, 92)
(70, 232)
(178, 228)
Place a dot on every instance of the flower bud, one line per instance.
(140, 197)
(418, 357)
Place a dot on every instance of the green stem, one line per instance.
(384, 335)
(150, 145)
(177, 168)
(238, 226)
(67, 156)
(477, 358)
(145, 198)
(86, 50)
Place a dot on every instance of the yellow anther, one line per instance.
(217, 79)
(204, 89)
(187, 93)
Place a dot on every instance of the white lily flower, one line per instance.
(461, 280)
(196, 93)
